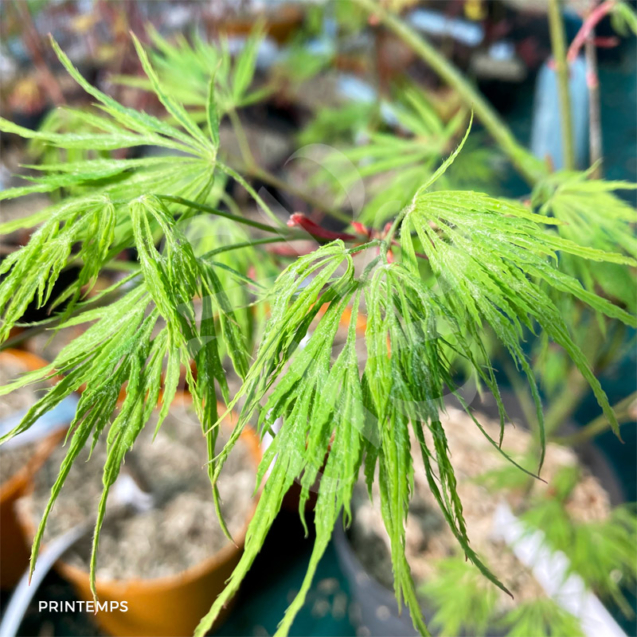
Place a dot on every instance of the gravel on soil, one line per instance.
(429, 539)
(180, 532)
(16, 458)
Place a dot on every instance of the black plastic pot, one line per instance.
(377, 608)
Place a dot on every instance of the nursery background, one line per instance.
(328, 113)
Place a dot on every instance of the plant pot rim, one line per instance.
(224, 555)
(588, 454)
(19, 481)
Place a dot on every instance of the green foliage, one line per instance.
(33, 271)
(395, 166)
(406, 370)
(105, 189)
(332, 125)
(464, 603)
(110, 209)
(244, 273)
(185, 69)
(121, 349)
(488, 255)
(602, 552)
(371, 416)
(60, 120)
(593, 215)
(98, 216)
(541, 618)
(462, 599)
(623, 18)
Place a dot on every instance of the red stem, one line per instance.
(299, 219)
(593, 19)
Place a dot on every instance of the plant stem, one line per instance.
(625, 410)
(32, 41)
(594, 111)
(252, 169)
(219, 213)
(529, 167)
(576, 385)
(592, 20)
(242, 138)
(522, 394)
(258, 173)
(364, 246)
(249, 244)
(231, 172)
(558, 44)
(389, 237)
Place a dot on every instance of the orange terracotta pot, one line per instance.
(14, 552)
(14, 549)
(280, 24)
(168, 606)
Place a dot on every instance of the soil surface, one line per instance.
(429, 539)
(180, 531)
(20, 399)
(15, 209)
(49, 343)
(12, 460)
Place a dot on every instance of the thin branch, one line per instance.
(252, 169)
(242, 138)
(248, 244)
(530, 168)
(365, 246)
(594, 110)
(558, 44)
(389, 237)
(231, 172)
(258, 173)
(219, 213)
(32, 41)
(593, 19)
(625, 410)
(298, 219)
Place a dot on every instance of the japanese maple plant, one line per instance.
(444, 273)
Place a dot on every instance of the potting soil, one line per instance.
(428, 537)
(14, 459)
(181, 530)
